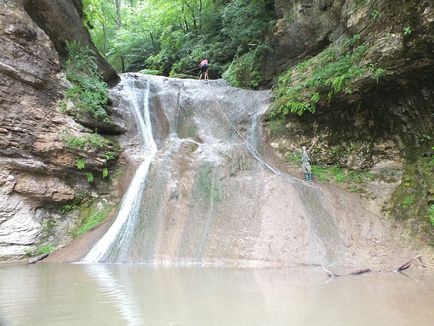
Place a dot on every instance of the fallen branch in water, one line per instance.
(408, 264)
(357, 272)
(399, 269)
(329, 272)
(34, 260)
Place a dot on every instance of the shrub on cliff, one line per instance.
(322, 77)
(89, 93)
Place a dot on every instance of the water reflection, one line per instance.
(113, 289)
(140, 295)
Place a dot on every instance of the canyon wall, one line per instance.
(38, 173)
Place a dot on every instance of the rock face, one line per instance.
(62, 21)
(37, 169)
(384, 124)
(306, 27)
(382, 118)
(303, 28)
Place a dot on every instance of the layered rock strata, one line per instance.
(37, 170)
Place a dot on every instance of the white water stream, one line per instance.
(121, 229)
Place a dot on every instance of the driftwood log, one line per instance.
(408, 264)
(399, 269)
(34, 260)
(357, 272)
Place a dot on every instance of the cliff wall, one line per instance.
(38, 173)
(381, 122)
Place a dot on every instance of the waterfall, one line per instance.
(121, 230)
(211, 196)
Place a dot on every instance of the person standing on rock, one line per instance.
(203, 69)
(305, 160)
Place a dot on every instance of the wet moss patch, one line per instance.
(207, 186)
(413, 200)
(91, 216)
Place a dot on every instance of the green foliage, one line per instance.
(375, 14)
(341, 175)
(431, 162)
(74, 142)
(47, 249)
(245, 21)
(408, 201)
(68, 208)
(41, 250)
(89, 93)
(378, 73)
(292, 158)
(80, 164)
(170, 37)
(89, 177)
(93, 217)
(412, 200)
(431, 214)
(356, 189)
(110, 155)
(90, 142)
(407, 30)
(245, 71)
(330, 72)
(360, 2)
(74, 204)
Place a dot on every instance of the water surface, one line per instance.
(103, 294)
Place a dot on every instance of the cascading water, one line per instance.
(211, 198)
(120, 231)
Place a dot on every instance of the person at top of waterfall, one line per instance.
(203, 69)
(305, 160)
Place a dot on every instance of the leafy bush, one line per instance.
(87, 142)
(90, 142)
(89, 93)
(330, 72)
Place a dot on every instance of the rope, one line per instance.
(185, 72)
(249, 146)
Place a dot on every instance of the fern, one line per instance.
(89, 177)
(80, 164)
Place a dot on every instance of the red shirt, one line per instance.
(203, 62)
